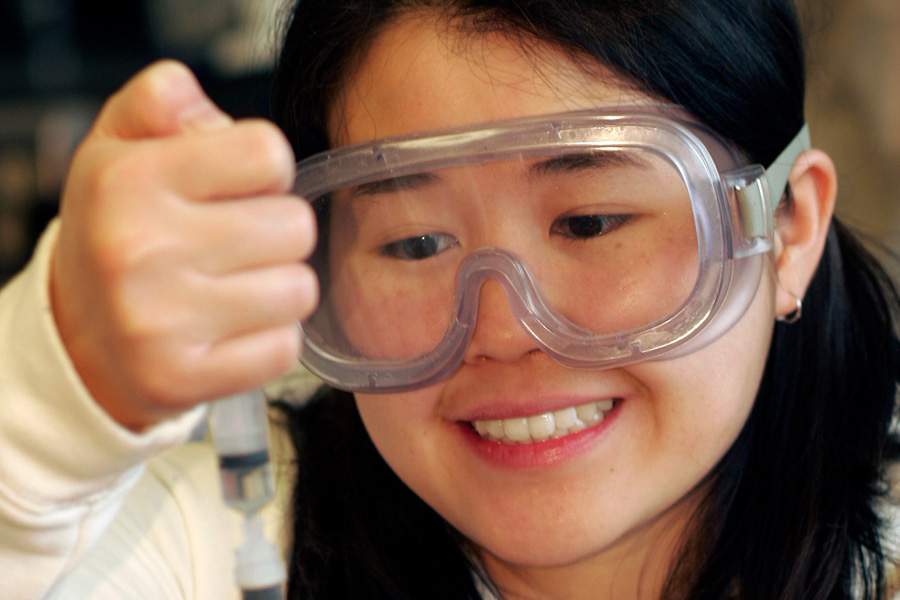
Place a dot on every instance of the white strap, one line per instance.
(777, 172)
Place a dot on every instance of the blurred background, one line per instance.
(59, 59)
(853, 108)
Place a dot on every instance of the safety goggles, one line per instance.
(618, 235)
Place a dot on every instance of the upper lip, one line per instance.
(511, 397)
(498, 409)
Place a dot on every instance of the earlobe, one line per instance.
(801, 227)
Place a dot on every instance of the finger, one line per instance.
(250, 158)
(256, 300)
(163, 99)
(169, 350)
(237, 235)
(209, 372)
(246, 362)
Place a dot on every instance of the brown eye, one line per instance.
(419, 247)
(583, 227)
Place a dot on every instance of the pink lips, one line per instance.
(537, 454)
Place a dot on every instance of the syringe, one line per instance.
(239, 428)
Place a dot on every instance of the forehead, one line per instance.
(423, 73)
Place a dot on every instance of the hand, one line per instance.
(178, 274)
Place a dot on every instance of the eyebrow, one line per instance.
(581, 161)
(395, 184)
(558, 165)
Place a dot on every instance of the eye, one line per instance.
(420, 247)
(583, 227)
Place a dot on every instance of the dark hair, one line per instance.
(791, 508)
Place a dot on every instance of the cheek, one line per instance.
(706, 397)
(402, 427)
(389, 317)
(387, 422)
(419, 446)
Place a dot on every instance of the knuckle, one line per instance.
(150, 319)
(110, 263)
(165, 390)
(268, 147)
(138, 326)
(121, 221)
(117, 253)
(116, 176)
(148, 90)
(169, 70)
(152, 89)
(285, 350)
(303, 291)
(295, 223)
(307, 231)
(172, 382)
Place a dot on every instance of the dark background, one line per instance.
(59, 60)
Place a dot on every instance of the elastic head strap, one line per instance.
(777, 172)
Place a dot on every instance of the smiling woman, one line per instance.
(635, 477)
(530, 509)
(586, 323)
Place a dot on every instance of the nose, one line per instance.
(498, 334)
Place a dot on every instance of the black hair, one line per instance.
(360, 532)
(791, 507)
(746, 75)
(792, 511)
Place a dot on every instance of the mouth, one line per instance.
(545, 426)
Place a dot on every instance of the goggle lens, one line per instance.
(619, 235)
(609, 236)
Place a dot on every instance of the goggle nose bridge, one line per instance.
(540, 320)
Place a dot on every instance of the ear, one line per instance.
(801, 226)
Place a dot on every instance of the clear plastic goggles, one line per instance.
(618, 235)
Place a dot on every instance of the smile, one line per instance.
(545, 426)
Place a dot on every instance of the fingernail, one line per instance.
(203, 115)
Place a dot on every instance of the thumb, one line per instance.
(163, 99)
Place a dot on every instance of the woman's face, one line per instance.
(613, 494)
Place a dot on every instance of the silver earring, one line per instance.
(794, 315)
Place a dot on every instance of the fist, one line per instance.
(178, 274)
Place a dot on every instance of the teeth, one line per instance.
(516, 429)
(586, 412)
(541, 427)
(495, 428)
(565, 418)
(549, 425)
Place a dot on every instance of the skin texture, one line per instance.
(602, 520)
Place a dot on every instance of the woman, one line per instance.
(730, 458)
(772, 480)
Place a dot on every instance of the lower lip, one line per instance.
(538, 454)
